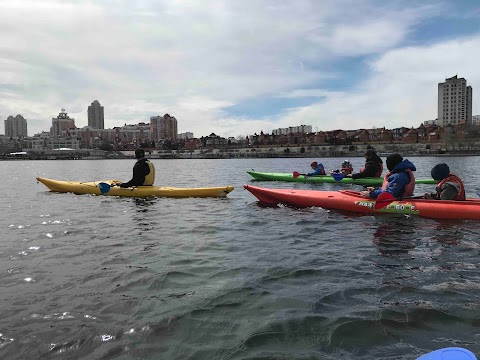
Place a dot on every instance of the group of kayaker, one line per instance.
(399, 180)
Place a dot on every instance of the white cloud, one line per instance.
(194, 58)
(402, 90)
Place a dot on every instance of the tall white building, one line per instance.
(15, 126)
(95, 116)
(454, 102)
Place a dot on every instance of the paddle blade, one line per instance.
(104, 187)
(296, 174)
(383, 200)
(337, 176)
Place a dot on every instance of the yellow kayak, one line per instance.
(138, 191)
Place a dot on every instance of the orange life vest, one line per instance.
(409, 188)
(452, 178)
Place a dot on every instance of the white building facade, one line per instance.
(454, 102)
(293, 130)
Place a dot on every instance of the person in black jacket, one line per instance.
(143, 171)
(373, 166)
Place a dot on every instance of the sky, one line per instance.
(235, 67)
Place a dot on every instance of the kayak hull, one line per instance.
(139, 191)
(262, 176)
(352, 201)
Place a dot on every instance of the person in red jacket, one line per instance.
(450, 186)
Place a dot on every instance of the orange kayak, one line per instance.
(352, 201)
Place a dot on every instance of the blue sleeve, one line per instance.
(396, 183)
(318, 170)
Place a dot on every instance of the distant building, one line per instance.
(185, 136)
(293, 130)
(96, 116)
(430, 122)
(164, 127)
(454, 102)
(476, 119)
(15, 127)
(62, 125)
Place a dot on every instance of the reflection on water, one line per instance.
(103, 277)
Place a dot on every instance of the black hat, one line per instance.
(393, 160)
(139, 154)
(440, 171)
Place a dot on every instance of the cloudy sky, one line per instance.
(235, 67)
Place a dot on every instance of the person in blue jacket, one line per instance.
(399, 181)
(318, 169)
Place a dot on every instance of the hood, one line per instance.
(404, 165)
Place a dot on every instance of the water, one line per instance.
(89, 277)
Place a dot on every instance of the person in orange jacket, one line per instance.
(450, 186)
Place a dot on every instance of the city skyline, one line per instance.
(270, 65)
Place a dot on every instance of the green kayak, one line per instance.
(261, 176)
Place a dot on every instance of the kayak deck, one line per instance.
(352, 201)
(288, 177)
(139, 191)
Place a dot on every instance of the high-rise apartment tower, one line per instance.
(95, 116)
(454, 102)
(15, 126)
(164, 127)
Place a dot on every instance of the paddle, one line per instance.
(338, 176)
(296, 174)
(451, 353)
(104, 187)
(385, 198)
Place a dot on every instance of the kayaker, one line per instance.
(143, 171)
(450, 186)
(345, 169)
(318, 169)
(373, 166)
(399, 181)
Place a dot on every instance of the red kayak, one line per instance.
(347, 200)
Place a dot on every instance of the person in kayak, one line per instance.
(398, 181)
(373, 166)
(143, 171)
(450, 186)
(318, 169)
(345, 169)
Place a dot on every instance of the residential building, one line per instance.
(454, 102)
(293, 130)
(164, 127)
(185, 136)
(476, 119)
(62, 125)
(15, 127)
(96, 116)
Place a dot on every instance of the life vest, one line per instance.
(150, 178)
(378, 173)
(452, 178)
(347, 169)
(409, 188)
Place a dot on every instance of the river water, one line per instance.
(93, 277)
